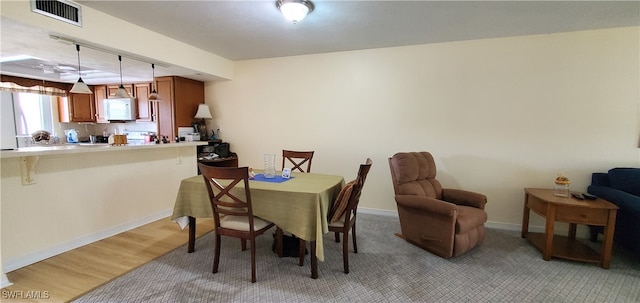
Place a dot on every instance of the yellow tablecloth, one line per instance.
(299, 205)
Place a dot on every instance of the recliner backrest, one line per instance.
(414, 173)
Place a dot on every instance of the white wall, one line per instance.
(498, 115)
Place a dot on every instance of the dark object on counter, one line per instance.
(41, 135)
(164, 139)
(102, 139)
(221, 149)
(97, 139)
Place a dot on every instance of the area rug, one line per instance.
(506, 268)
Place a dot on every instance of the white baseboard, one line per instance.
(13, 264)
(380, 212)
(4, 282)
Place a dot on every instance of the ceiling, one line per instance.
(241, 30)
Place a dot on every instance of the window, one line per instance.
(32, 112)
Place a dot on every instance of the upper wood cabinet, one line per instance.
(100, 94)
(179, 99)
(112, 89)
(77, 108)
(145, 108)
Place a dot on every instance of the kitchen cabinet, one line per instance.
(145, 108)
(100, 94)
(179, 99)
(112, 89)
(77, 108)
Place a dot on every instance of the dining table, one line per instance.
(298, 205)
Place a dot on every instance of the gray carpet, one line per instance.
(505, 268)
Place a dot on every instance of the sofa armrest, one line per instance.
(627, 202)
(463, 197)
(427, 204)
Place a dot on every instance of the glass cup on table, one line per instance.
(269, 166)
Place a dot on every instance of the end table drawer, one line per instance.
(582, 215)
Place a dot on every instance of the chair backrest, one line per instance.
(363, 171)
(223, 201)
(297, 158)
(414, 173)
(349, 205)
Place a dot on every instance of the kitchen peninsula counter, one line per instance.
(63, 149)
(57, 198)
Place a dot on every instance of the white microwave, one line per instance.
(120, 109)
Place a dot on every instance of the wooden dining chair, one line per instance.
(342, 216)
(232, 215)
(297, 158)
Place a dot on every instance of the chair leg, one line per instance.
(253, 260)
(337, 235)
(345, 252)
(303, 247)
(243, 243)
(216, 256)
(353, 236)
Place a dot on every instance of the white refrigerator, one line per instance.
(7, 121)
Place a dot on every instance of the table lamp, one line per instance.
(202, 113)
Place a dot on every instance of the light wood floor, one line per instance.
(69, 275)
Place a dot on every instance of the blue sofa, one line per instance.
(620, 186)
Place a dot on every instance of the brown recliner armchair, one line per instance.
(446, 222)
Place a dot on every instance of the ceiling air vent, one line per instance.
(58, 9)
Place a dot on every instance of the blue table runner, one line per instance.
(277, 179)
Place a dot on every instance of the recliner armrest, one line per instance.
(427, 204)
(464, 197)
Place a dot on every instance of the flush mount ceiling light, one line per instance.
(80, 87)
(294, 10)
(121, 93)
(154, 94)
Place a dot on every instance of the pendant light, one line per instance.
(121, 93)
(154, 94)
(80, 87)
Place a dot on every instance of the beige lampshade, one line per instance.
(153, 96)
(203, 112)
(80, 88)
(122, 93)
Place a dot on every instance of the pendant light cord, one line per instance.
(120, 59)
(153, 80)
(78, 49)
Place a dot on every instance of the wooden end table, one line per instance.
(597, 212)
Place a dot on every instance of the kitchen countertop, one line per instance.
(46, 150)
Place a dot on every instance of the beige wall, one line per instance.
(83, 197)
(497, 114)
